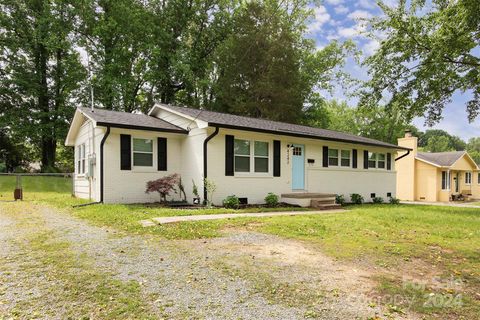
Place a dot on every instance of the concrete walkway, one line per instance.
(441, 204)
(164, 220)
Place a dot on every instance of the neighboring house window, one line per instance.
(333, 157)
(81, 159)
(468, 177)
(478, 178)
(244, 161)
(445, 180)
(261, 156)
(372, 160)
(142, 152)
(345, 160)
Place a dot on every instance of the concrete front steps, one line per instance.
(321, 201)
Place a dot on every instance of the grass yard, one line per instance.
(35, 187)
(429, 255)
(425, 242)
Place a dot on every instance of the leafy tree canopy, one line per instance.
(428, 51)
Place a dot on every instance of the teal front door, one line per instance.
(298, 167)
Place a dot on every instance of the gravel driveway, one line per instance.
(234, 277)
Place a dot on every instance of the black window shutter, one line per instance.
(276, 158)
(354, 158)
(365, 159)
(162, 154)
(229, 140)
(389, 161)
(125, 152)
(325, 157)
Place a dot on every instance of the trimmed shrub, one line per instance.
(271, 200)
(231, 202)
(340, 199)
(356, 198)
(394, 200)
(377, 200)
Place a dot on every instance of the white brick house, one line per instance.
(116, 153)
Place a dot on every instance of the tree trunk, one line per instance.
(41, 66)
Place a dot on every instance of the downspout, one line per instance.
(403, 156)
(205, 162)
(105, 136)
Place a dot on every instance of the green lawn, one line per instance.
(396, 238)
(383, 237)
(34, 186)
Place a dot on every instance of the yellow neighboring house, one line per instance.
(432, 177)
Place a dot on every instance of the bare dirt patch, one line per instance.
(297, 273)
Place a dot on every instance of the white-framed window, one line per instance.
(337, 157)
(81, 159)
(372, 160)
(381, 160)
(445, 180)
(261, 156)
(142, 152)
(468, 178)
(251, 156)
(333, 157)
(242, 155)
(376, 160)
(345, 158)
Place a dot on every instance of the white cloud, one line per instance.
(320, 18)
(367, 4)
(352, 32)
(371, 47)
(341, 9)
(359, 15)
(334, 2)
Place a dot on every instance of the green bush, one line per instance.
(356, 198)
(231, 202)
(340, 199)
(394, 200)
(271, 200)
(377, 200)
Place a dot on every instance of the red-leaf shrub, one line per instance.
(164, 186)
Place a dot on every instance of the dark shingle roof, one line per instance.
(262, 125)
(129, 120)
(443, 159)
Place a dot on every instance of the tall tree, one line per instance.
(41, 72)
(453, 142)
(376, 122)
(117, 38)
(438, 144)
(473, 148)
(266, 67)
(427, 53)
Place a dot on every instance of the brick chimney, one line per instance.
(406, 167)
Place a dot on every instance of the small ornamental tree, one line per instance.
(164, 186)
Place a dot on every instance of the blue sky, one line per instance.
(341, 19)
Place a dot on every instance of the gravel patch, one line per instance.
(180, 280)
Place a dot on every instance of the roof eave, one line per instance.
(74, 125)
(300, 135)
(143, 128)
(430, 163)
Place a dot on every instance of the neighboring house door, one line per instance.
(298, 167)
(456, 182)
